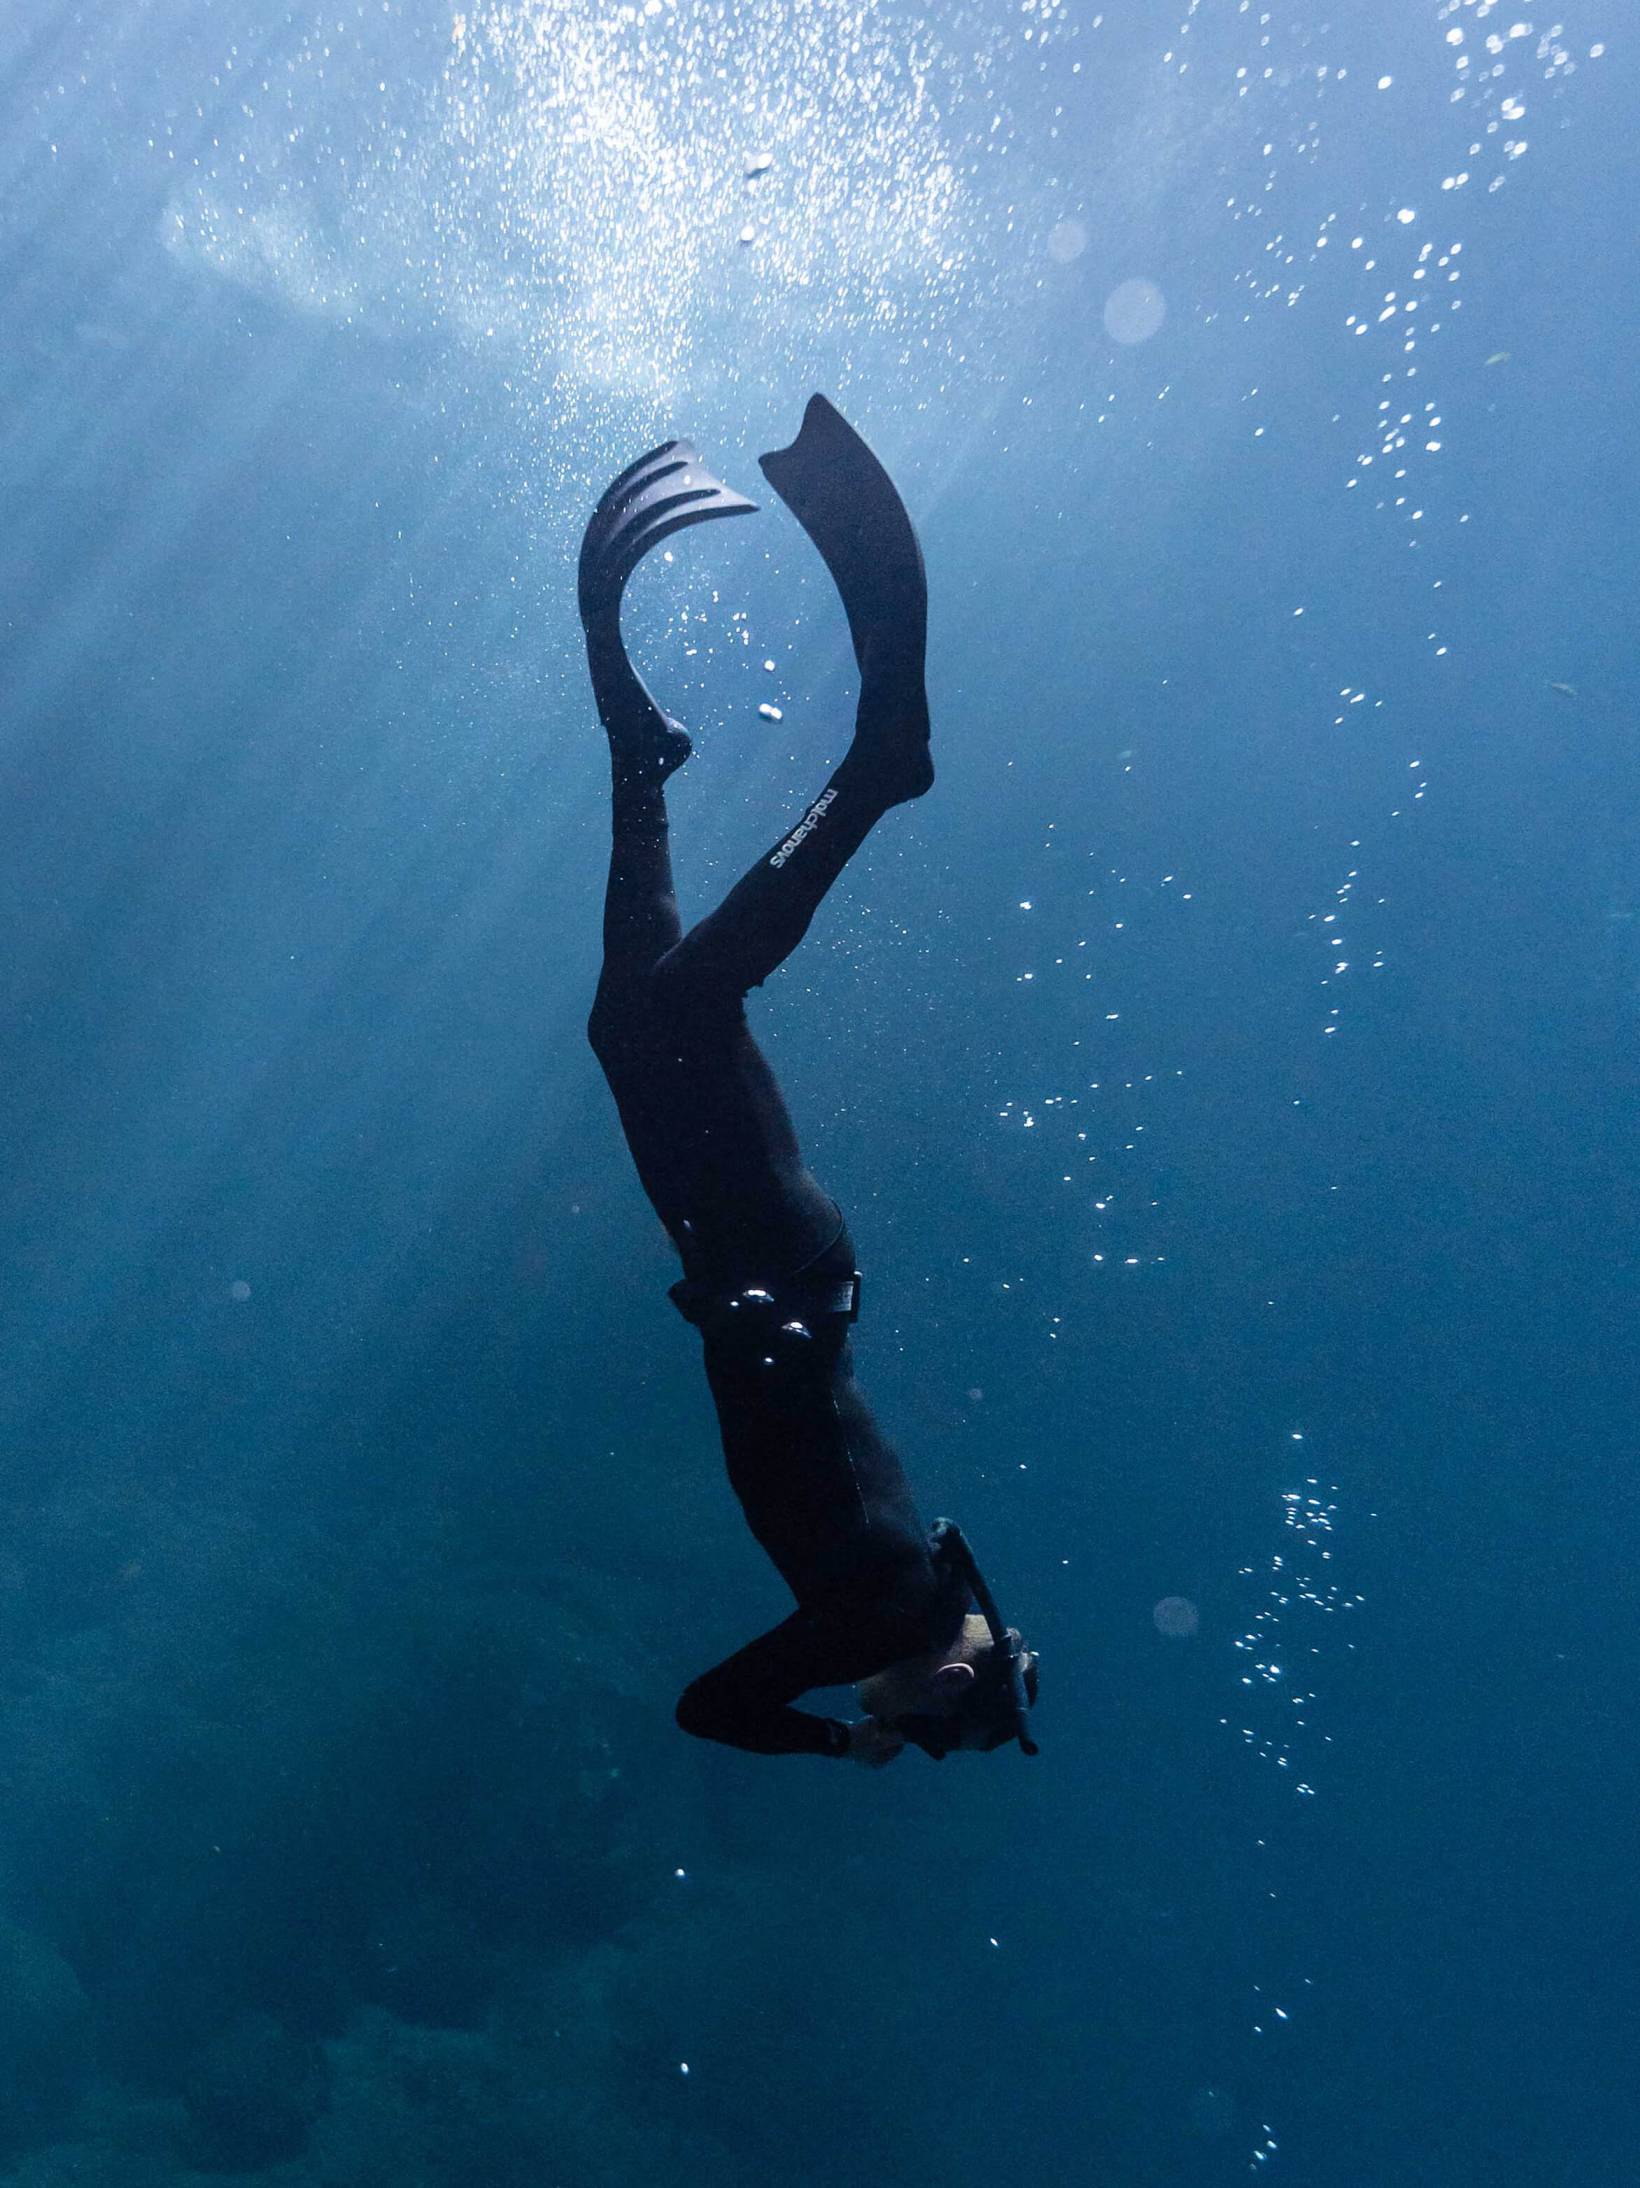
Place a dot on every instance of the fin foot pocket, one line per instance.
(650, 758)
(892, 762)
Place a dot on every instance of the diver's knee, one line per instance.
(690, 992)
(672, 993)
(605, 1025)
(697, 1713)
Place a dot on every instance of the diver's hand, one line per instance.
(872, 1743)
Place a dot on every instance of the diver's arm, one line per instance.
(746, 1700)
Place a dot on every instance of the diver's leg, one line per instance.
(662, 493)
(767, 913)
(688, 1085)
(640, 903)
(692, 1087)
(849, 506)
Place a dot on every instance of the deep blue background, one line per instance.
(340, 1621)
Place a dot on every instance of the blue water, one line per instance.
(1229, 1072)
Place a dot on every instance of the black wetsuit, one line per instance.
(714, 1146)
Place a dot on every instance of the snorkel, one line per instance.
(1006, 1685)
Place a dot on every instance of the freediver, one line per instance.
(769, 1271)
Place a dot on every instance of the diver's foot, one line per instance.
(653, 757)
(645, 743)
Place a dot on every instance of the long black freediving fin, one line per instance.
(651, 499)
(647, 502)
(851, 509)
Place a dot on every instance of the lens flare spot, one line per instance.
(1134, 311)
(1177, 1617)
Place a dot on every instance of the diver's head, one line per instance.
(952, 1697)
